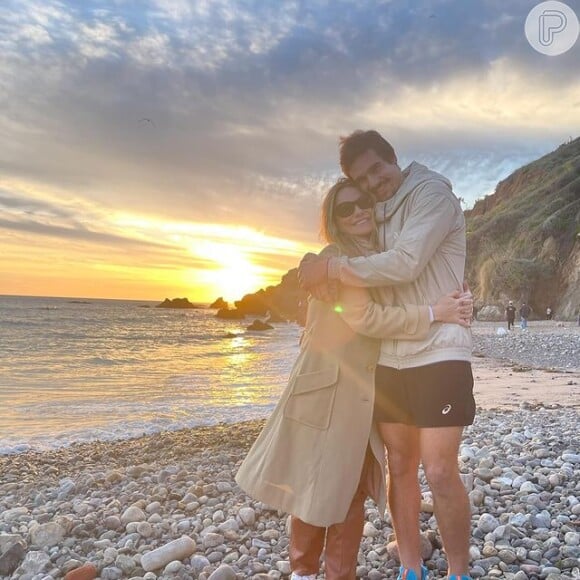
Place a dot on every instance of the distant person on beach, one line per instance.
(510, 313)
(320, 454)
(525, 311)
(424, 389)
(549, 313)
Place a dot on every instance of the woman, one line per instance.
(320, 455)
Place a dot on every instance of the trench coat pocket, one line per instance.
(312, 398)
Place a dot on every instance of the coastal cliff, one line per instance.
(523, 244)
(523, 241)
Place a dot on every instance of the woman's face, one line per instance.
(351, 219)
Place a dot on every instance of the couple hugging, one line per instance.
(384, 364)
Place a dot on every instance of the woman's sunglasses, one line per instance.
(346, 208)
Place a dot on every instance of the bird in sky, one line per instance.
(147, 120)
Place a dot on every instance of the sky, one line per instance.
(170, 148)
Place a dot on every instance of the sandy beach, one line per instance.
(539, 365)
(109, 505)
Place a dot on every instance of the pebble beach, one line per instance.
(166, 505)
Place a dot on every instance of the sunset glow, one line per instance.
(182, 149)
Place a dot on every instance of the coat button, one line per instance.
(371, 368)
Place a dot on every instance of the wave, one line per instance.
(136, 429)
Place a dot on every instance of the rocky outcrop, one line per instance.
(219, 303)
(259, 325)
(522, 241)
(569, 302)
(230, 314)
(177, 303)
(283, 302)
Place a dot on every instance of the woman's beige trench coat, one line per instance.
(308, 459)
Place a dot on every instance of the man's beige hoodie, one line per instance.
(422, 235)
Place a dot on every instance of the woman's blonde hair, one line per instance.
(329, 229)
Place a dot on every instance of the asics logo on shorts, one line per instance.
(446, 409)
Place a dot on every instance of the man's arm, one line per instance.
(430, 222)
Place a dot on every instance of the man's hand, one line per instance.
(312, 272)
(325, 292)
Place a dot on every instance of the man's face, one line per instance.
(375, 175)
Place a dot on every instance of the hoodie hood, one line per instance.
(415, 175)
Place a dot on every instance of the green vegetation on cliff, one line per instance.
(522, 241)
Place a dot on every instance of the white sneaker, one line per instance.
(298, 577)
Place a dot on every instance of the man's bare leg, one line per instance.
(404, 495)
(439, 449)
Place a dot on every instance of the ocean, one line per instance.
(75, 370)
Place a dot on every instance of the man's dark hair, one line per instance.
(360, 141)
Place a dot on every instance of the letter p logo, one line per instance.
(552, 28)
(551, 22)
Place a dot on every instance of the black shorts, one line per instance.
(435, 395)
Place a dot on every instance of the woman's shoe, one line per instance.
(407, 574)
(458, 577)
(298, 577)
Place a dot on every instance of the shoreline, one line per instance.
(498, 384)
(109, 503)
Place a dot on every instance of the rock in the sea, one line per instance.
(230, 314)
(176, 303)
(259, 325)
(176, 550)
(219, 303)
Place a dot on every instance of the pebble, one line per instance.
(524, 508)
(248, 516)
(176, 550)
(46, 535)
(11, 558)
(487, 523)
(86, 572)
(553, 349)
(224, 572)
(133, 514)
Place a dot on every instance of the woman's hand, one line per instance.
(455, 308)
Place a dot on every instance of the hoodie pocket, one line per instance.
(312, 398)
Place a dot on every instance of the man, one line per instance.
(423, 388)
(510, 312)
(524, 315)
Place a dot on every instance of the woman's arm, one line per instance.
(408, 322)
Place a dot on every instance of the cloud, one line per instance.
(248, 99)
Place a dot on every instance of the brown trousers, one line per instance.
(342, 540)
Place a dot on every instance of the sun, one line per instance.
(233, 276)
